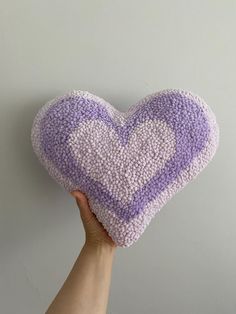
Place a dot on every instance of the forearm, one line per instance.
(86, 289)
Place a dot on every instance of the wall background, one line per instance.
(120, 50)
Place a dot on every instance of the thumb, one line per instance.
(82, 202)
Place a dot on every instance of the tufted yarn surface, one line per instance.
(129, 164)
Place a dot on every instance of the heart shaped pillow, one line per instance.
(129, 164)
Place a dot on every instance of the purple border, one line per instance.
(183, 114)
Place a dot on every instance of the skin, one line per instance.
(86, 289)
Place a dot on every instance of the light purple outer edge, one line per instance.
(125, 230)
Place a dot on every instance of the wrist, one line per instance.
(101, 247)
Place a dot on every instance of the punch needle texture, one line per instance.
(129, 164)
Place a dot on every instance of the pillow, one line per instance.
(129, 164)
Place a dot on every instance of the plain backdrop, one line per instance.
(185, 262)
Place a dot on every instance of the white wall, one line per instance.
(120, 50)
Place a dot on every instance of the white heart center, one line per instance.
(122, 169)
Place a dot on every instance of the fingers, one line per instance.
(83, 205)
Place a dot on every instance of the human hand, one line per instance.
(95, 233)
(86, 288)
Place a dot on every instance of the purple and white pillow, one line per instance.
(129, 164)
